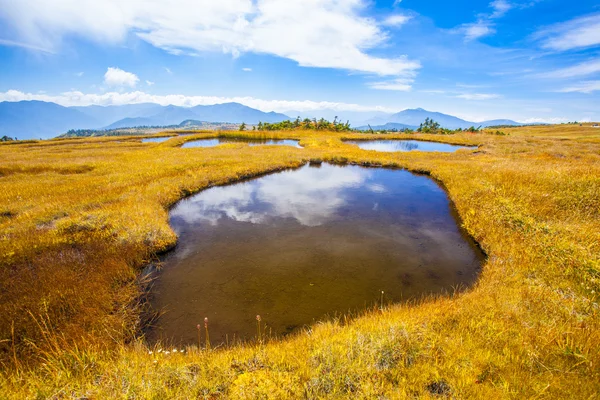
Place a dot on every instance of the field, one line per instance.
(79, 218)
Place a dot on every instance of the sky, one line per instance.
(527, 60)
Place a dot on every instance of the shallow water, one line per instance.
(299, 245)
(157, 140)
(406, 145)
(251, 142)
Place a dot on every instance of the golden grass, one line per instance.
(79, 217)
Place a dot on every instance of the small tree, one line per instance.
(429, 126)
(243, 126)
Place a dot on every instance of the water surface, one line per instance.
(157, 140)
(406, 145)
(252, 142)
(302, 244)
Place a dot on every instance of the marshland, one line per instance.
(82, 219)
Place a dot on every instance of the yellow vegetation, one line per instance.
(79, 217)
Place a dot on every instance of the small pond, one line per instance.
(252, 142)
(157, 140)
(301, 245)
(406, 145)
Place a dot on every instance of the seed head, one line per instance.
(206, 322)
(258, 318)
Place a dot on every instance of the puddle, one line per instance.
(252, 142)
(407, 145)
(301, 245)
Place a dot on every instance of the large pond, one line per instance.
(251, 142)
(406, 145)
(301, 245)
(157, 140)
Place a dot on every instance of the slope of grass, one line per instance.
(78, 219)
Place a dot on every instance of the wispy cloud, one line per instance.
(76, 98)
(402, 85)
(582, 69)
(478, 96)
(476, 30)
(396, 20)
(116, 77)
(168, 71)
(500, 8)
(247, 69)
(582, 87)
(12, 43)
(149, 83)
(577, 33)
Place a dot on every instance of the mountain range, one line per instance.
(43, 120)
(412, 118)
(37, 119)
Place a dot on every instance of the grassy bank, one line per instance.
(78, 218)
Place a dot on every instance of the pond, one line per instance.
(406, 145)
(157, 140)
(252, 142)
(298, 246)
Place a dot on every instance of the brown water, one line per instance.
(301, 245)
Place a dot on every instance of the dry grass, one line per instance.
(78, 218)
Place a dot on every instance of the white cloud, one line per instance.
(582, 87)
(75, 98)
(500, 7)
(80, 74)
(13, 43)
(315, 33)
(396, 20)
(485, 25)
(476, 30)
(402, 85)
(582, 69)
(477, 96)
(168, 71)
(116, 77)
(574, 34)
(149, 83)
(247, 69)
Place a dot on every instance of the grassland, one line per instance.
(80, 217)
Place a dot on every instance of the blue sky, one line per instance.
(529, 60)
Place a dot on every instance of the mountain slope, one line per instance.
(416, 116)
(227, 112)
(162, 116)
(235, 112)
(40, 120)
(496, 122)
(387, 127)
(106, 115)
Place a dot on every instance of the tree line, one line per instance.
(306, 123)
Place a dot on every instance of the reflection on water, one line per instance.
(299, 245)
(406, 145)
(251, 142)
(156, 140)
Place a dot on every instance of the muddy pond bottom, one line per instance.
(407, 145)
(252, 142)
(303, 245)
